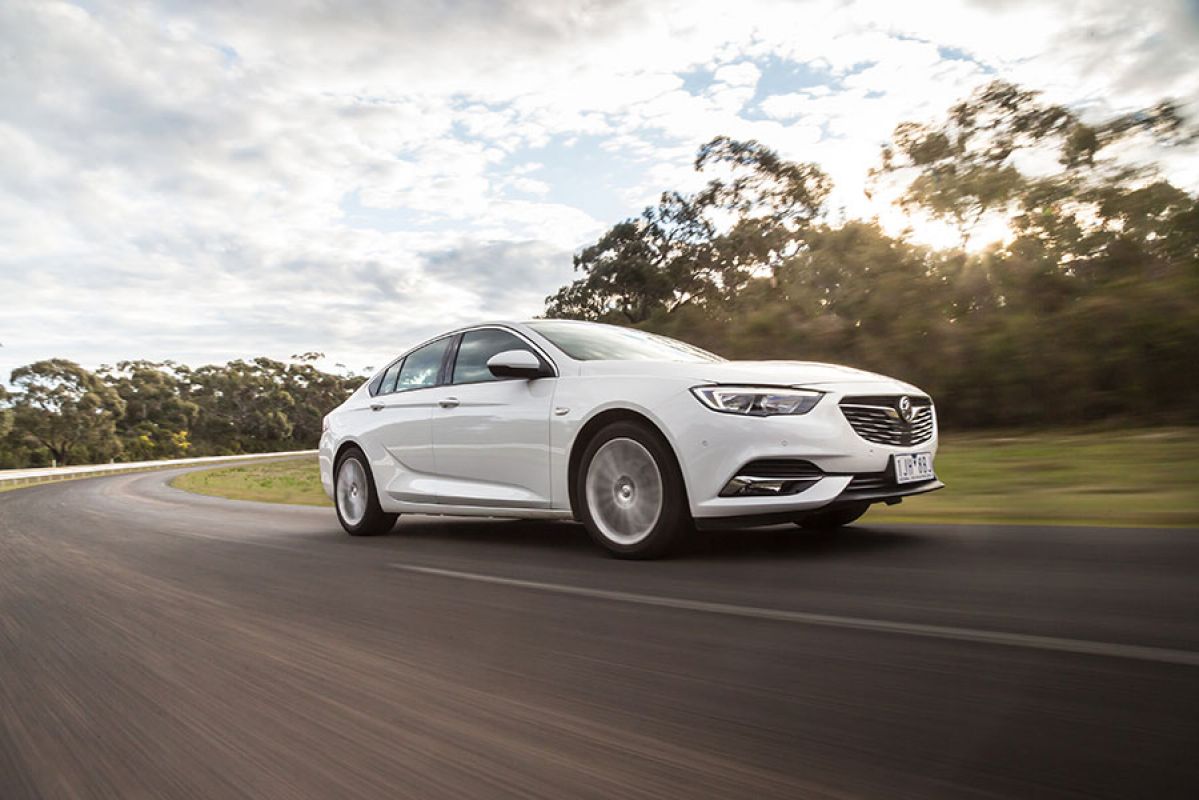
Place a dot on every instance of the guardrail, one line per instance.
(25, 477)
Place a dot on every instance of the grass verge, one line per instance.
(292, 480)
(1144, 477)
(1131, 478)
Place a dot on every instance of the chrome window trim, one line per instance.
(407, 353)
(454, 337)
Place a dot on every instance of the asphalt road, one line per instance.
(158, 644)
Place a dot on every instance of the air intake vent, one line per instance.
(871, 481)
(772, 476)
(786, 468)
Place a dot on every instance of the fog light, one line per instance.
(750, 486)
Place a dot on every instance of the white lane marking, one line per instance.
(1029, 641)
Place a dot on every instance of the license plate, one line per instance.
(914, 467)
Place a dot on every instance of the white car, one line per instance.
(637, 436)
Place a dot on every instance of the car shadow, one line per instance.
(780, 541)
(541, 534)
(790, 541)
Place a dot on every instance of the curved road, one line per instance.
(159, 644)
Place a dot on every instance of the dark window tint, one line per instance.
(388, 384)
(477, 347)
(421, 366)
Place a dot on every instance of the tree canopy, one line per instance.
(69, 411)
(63, 413)
(1088, 310)
(699, 249)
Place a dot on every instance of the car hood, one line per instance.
(770, 373)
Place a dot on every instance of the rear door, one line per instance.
(491, 436)
(401, 415)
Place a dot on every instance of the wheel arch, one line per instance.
(588, 432)
(345, 447)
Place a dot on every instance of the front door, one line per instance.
(491, 436)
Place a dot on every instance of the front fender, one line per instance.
(579, 400)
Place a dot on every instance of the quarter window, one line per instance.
(421, 367)
(388, 384)
(477, 347)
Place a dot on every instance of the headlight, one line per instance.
(757, 401)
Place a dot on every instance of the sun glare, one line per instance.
(941, 234)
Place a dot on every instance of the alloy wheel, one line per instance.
(624, 491)
(352, 491)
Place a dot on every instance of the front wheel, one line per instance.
(834, 517)
(356, 500)
(631, 494)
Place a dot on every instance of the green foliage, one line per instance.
(660, 260)
(157, 418)
(1090, 311)
(680, 253)
(262, 404)
(141, 410)
(66, 409)
(761, 183)
(244, 405)
(8, 458)
(5, 414)
(315, 393)
(965, 167)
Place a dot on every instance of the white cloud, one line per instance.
(206, 181)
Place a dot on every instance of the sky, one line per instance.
(204, 181)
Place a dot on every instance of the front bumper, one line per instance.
(848, 497)
(883, 486)
(325, 458)
(713, 448)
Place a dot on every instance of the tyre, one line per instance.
(630, 492)
(834, 517)
(355, 497)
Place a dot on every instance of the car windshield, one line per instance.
(595, 342)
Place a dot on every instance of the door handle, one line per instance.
(448, 402)
(376, 406)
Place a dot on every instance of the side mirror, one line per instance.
(517, 364)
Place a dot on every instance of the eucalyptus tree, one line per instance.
(701, 249)
(1005, 151)
(158, 419)
(5, 413)
(66, 409)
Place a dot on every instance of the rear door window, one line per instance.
(422, 366)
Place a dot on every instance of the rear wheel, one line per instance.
(834, 517)
(631, 494)
(356, 500)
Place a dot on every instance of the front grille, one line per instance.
(876, 419)
(790, 468)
